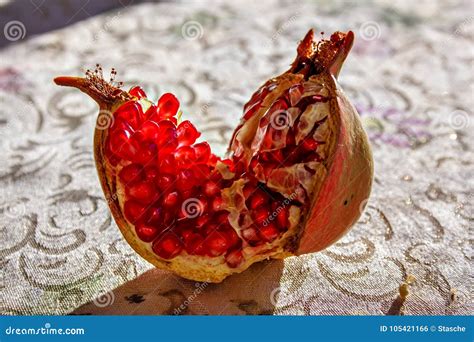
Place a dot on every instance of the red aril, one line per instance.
(131, 173)
(234, 258)
(187, 133)
(167, 246)
(146, 232)
(138, 92)
(168, 106)
(216, 244)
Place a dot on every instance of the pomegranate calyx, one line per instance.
(106, 93)
(326, 54)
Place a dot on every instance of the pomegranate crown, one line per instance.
(326, 54)
(94, 84)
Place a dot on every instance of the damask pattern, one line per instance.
(409, 76)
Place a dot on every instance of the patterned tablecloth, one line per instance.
(410, 75)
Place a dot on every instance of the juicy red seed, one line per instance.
(168, 105)
(131, 173)
(171, 200)
(151, 174)
(211, 189)
(168, 246)
(282, 219)
(185, 156)
(201, 172)
(187, 133)
(155, 216)
(167, 134)
(185, 233)
(188, 193)
(231, 236)
(147, 153)
(210, 228)
(146, 232)
(150, 130)
(122, 146)
(213, 159)
(253, 164)
(261, 215)
(257, 199)
(222, 217)
(194, 244)
(234, 258)
(137, 92)
(216, 244)
(268, 233)
(167, 165)
(133, 211)
(202, 220)
(310, 144)
(130, 112)
(217, 204)
(186, 180)
(151, 114)
(165, 182)
(184, 229)
(248, 190)
(202, 151)
(120, 124)
(229, 163)
(143, 192)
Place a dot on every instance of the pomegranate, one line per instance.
(298, 170)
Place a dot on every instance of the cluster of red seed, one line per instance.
(278, 147)
(173, 189)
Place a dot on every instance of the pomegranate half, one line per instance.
(298, 172)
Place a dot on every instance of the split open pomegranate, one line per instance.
(298, 170)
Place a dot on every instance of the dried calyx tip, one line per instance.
(96, 86)
(314, 57)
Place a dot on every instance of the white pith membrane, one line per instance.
(295, 182)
